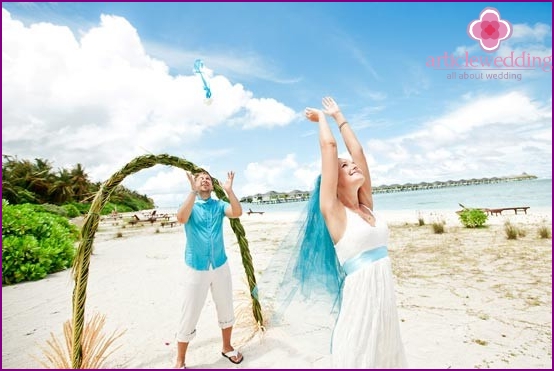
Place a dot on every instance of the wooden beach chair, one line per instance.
(135, 219)
(255, 212)
(499, 211)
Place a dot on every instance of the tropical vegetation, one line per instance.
(37, 237)
(35, 242)
(25, 181)
(473, 218)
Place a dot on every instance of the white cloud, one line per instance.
(281, 175)
(417, 80)
(246, 64)
(167, 187)
(99, 99)
(537, 32)
(266, 112)
(504, 134)
(481, 136)
(364, 117)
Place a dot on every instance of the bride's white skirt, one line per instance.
(367, 333)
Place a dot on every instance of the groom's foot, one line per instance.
(180, 365)
(233, 355)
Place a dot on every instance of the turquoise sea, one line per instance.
(535, 193)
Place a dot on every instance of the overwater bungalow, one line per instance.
(273, 197)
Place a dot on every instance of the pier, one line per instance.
(273, 197)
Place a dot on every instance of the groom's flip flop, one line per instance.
(235, 354)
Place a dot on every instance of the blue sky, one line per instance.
(102, 83)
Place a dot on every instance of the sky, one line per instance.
(101, 83)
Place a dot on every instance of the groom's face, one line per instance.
(204, 182)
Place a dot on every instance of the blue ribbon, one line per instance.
(198, 65)
(353, 264)
(254, 292)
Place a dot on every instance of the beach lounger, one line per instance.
(254, 212)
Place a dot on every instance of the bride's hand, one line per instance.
(312, 114)
(330, 107)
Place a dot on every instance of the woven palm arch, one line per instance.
(84, 251)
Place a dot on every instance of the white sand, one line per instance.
(467, 298)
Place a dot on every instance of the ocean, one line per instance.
(536, 193)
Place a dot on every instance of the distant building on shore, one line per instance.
(450, 183)
(273, 197)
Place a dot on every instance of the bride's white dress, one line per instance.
(367, 332)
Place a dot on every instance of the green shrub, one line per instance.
(510, 230)
(545, 232)
(473, 218)
(71, 210)
(438, 227)
(34, 243)
(49, 208)
(513, 232)
(108, 208)
(438, 224)
(82, 207)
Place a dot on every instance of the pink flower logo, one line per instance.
(489, 29)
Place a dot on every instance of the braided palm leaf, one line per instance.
(84, 251)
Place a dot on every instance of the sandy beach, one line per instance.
(467, 298)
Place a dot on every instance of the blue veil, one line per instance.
(313, 276)
(317, 267)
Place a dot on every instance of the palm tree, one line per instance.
(81, 183)
(24, 181)
(38, 178)
(10, 190)
(61, 190)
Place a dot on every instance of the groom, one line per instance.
(206, 265)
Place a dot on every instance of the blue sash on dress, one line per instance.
(359, 261)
